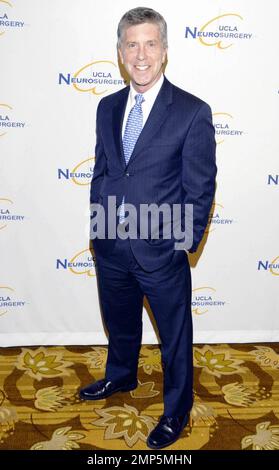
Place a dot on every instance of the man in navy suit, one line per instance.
(155, 145)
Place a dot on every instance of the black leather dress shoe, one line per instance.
(103, 389)
(167, 431)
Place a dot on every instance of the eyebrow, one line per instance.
(136, 42)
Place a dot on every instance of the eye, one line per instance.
(131, 45)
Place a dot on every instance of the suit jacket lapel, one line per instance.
(157, 116)
(118, 113)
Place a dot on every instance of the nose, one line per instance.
(141, 52)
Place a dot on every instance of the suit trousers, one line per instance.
(122, 284)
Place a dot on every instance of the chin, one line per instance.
(142, 82)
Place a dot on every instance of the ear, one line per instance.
(165, 55)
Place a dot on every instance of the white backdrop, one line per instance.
(58, 58)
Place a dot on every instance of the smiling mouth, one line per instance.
(142, 68)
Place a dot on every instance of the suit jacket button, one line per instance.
(127, 174)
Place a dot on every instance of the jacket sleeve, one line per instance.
(100, 161)
(199, 171)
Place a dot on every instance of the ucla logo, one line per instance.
(98, 77)
(81, 263)
(203, 298)
(8, 300)
(220, 31)
(81, 174)
(271, 266)
(224, 127)
(216, 218)
(7, 213)
(5, 20)
(6, 120)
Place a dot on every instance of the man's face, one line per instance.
(142, 53)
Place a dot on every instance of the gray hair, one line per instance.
(141, 15)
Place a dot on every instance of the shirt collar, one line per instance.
(150, 94)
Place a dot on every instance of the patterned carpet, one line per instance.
(236, 399)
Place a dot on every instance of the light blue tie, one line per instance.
(132, 131)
